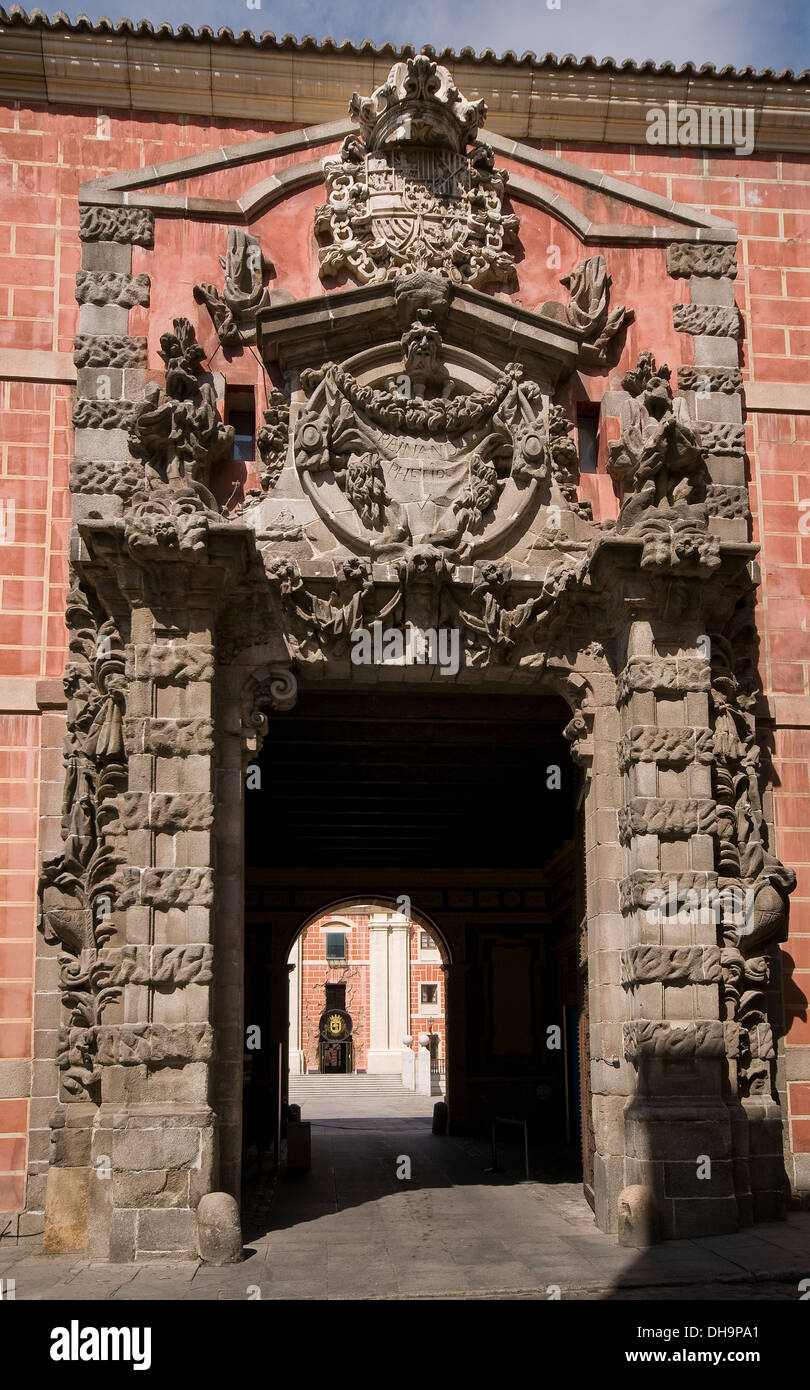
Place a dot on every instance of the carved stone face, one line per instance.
(422, 348)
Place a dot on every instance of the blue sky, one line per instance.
(764, 33)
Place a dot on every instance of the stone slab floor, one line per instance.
(352, 1229)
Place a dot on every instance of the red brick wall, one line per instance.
(45, 153)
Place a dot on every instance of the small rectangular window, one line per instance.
(335, 945)
(428, 994)
(426, 943)
(335, 996)
(587, 438)
(241, 413)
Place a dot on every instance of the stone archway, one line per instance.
(418, 515)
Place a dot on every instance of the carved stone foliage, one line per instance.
(77, 886)
(158, 965)
(668, 894)
(316, 626)
(660, 674)
(105, 287)
(649, 1038)
(406, 194)
(164, 888)
(135, 226)
(169, 738)
(234, 308)
(168, 812)
(272, 439)
(178, 435)
(108, 350)
(175, 662)
(422, 461)
(497, 625)
(753, 883)
(674, 819)
(660, 463)
(116, 479)
(671, 965)
(666, 747)
(685, 258)
(587, 311)
(712, 319)
(154, 1044)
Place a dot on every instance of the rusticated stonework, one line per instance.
(135, 226)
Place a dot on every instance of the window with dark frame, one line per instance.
(336, 945)
(588, 437)
(335, 996)
(428, 994)
(240, 412)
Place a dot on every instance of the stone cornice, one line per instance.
(303, 83)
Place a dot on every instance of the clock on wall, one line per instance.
(335, 1025)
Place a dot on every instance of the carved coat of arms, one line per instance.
(407, 195)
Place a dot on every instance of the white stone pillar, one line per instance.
(297, 1060)
(379, 1057)
(399, 980)
(389, 935)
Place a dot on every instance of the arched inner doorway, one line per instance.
(457, 813)
(368, 985)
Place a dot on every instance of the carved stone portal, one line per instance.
(417, 475)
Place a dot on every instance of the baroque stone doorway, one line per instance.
(416, 525)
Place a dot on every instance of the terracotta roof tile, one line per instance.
(14, 17)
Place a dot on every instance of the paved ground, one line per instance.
(351, 1228)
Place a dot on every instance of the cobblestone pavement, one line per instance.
(352, 1229)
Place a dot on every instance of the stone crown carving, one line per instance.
(420, 102)
(406, 194)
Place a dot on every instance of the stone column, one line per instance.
(455, 1012)
(399, 981)
(155, 1125)
(389, 939)
(297, 1062)
(678, 1119)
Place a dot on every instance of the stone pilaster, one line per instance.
(677, 1119)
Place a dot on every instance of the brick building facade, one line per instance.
(340, 963)
(706, 251)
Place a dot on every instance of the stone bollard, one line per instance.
(219, 1233)
(639, 1224)
(440, 1116)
